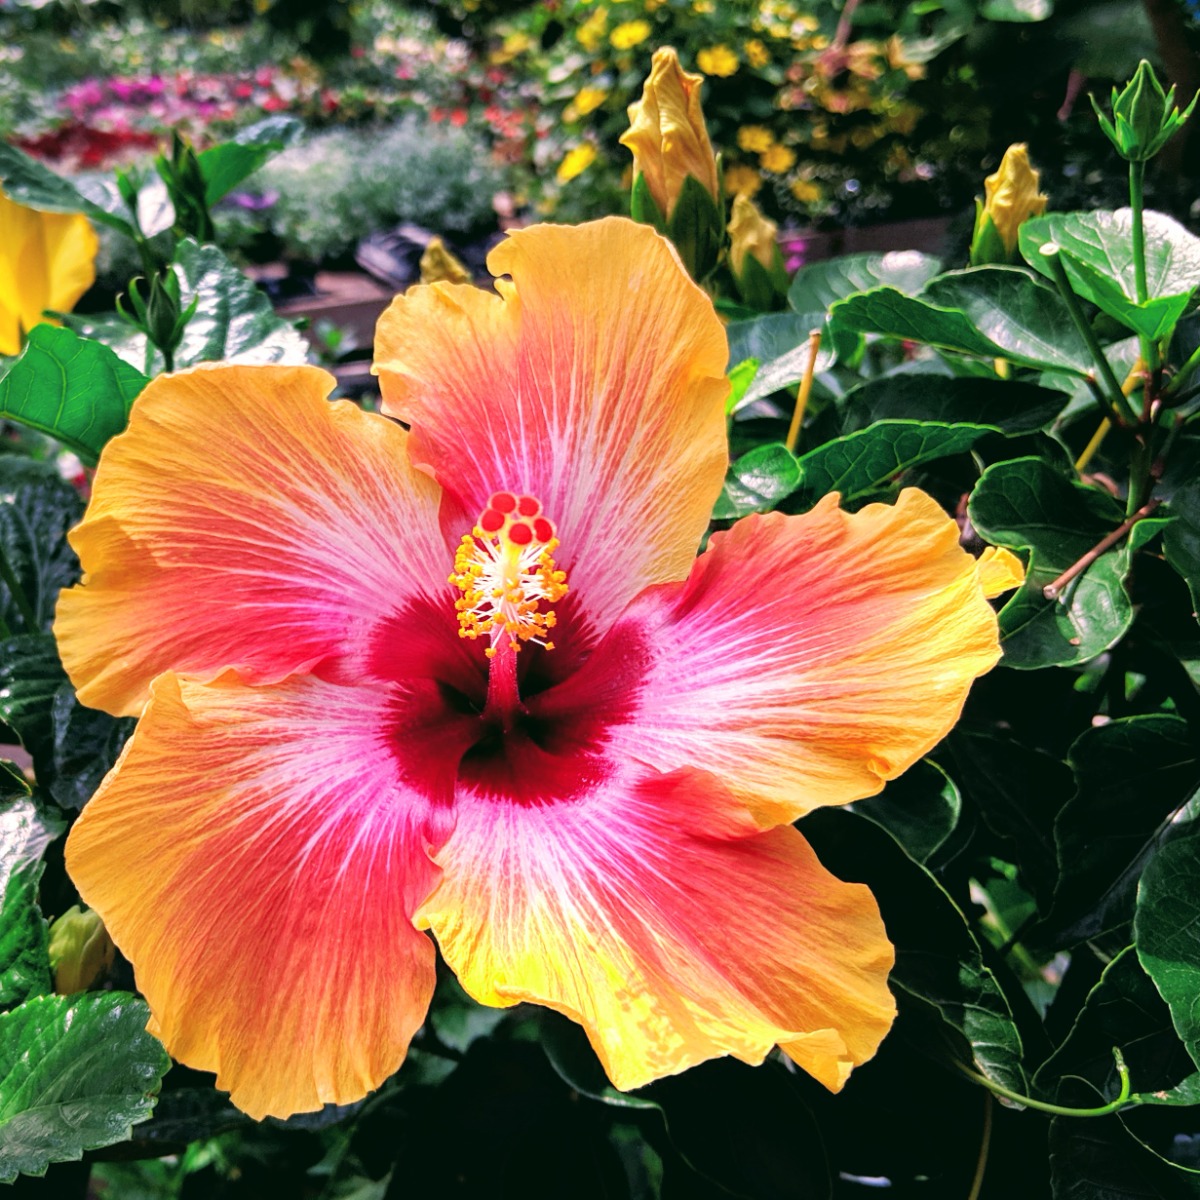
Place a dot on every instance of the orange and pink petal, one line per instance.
(659, 917)
(807, 660)
(257, 857)
(594, 381)
(244, 521)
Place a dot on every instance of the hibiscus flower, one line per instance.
(471, 678)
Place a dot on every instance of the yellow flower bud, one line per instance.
(667, 134)
(47, 260)
(80, 950)
(750, 233)
(439, 265)
(1011, 196)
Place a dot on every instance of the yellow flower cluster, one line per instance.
(575, 162)
(717, 60)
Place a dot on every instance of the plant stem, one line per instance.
(1054, 589)
(1123, 411)
(985, 1144)
(1089, 451)
(1182, 374)
(1137, 177)
(9, 578)
(1059, 1110)
(804, 391)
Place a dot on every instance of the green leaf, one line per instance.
(991, 312)
(780, 343)
(1016, 791)
(1024, 504)
(1011, 406)
(1167, 934)
(868, 463)
(1097, 252)
(226, 165)
(1022, 11)
(747, 1129)
(740, 378)
(29, 182)
(24, 938)
(76, 390)
(1100, 1160)
(72, 746)
(757, 481)
(1132, 776)
(566, 1046)
(1181, 538)
(75, 1074)
(817, 287)
(37, 507)
(920, 809)
(233, 320)
(26, 828)
(938, 961)
(1122, 1010)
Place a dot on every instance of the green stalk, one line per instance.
(1137, 178)
(1181, 376)
(1059, 1110)
(1119, 407)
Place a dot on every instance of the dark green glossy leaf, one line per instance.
(1167, 933)
(1123, 1010)
(938, 961)
(1011, 406)
(457, 1019)
(818, 286)
(991, 312)
(37, 507)
(226, 165)
(758, 481)
(1017, 791)
(33, 184)
(75, 1074)
(76, 390)
(1025, 504)
(24, 953)
(26, 828)
(1131, 778)
(1181, 539)
(566, 1046)
(780, 342)
(746, 1129)
(233, 319)
(72, 746)
(920, 809)
(868, 463)
(1100, 1160)
(1097, 252)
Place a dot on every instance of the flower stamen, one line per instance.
(507, 576)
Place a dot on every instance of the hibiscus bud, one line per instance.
(755, 260)
(80, 950)
(1144, 117)
(675, 184)
(1011, 197)
(439, 265)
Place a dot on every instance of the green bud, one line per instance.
(81, 952)
(1144, 117)
(187, 188)
(697, 227)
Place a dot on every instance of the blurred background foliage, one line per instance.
(830, 115)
